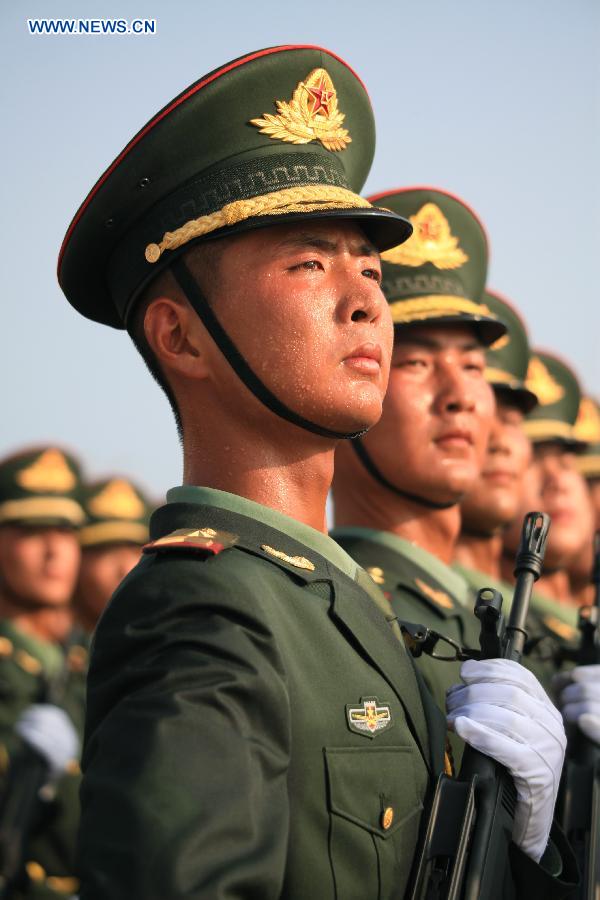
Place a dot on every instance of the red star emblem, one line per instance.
(429, 229)
(321, 96)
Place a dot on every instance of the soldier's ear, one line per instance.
(176, 337)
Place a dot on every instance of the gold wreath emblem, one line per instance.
(49, 472)
(502, 342)
(311, 115)
(540, 381)
(117, 500)
(431, 241)
(587, 426)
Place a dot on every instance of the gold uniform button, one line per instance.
(387, 817)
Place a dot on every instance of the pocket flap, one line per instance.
(374, 788)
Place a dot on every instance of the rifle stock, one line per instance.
(580, 794)
(466, 845)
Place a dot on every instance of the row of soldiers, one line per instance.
(262, 716)
(65, 544)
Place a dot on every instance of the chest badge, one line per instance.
(370, 718)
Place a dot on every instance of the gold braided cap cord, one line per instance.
(290, 200)
(434, 305)
(498, 376)
(547, 429)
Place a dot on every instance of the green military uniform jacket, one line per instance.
(551, 625)
(422, 590)
(254, 727)
(29, 668)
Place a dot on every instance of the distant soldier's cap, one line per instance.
(41, 486)
(280, 135)
(117, 512)
(439, 274)
(508, 357)
(556, 386)
(587, 429)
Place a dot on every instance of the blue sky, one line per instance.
(498, 101)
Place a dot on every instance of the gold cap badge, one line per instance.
(587, 426)
(311, 115)
(117, 500)
(439, 597)
(540, 381)
(431, 241)
(49, 472)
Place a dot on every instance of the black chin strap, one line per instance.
(237, 362)
(372, 469)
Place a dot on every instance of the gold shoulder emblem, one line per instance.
(301, 562)
(209, 540)
(117, 500)
(49, 472)
(376, 574)
(587, 426)
(562, 629)
(540, 381)
(441, 598)
(311, 115)
(431, 241)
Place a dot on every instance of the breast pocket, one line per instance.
(375, 801)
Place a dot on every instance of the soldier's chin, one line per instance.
(354, 417)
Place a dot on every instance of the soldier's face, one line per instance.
(102, 570)
(564, 496)
(594, 489)
(498, 494)
(304, 306)
(38, 565)
(437, 413)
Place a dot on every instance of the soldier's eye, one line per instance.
(375, 274)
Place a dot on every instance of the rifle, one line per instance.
(579, 806)
(25, 789)
(466, 845)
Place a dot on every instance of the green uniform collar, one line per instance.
(478, 580)
(49, 655)
(452, 581)
(315, 540)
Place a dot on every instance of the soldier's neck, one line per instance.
(556, 585)
(372, 506)
(292, 476)
(51, 624)
(480, 552)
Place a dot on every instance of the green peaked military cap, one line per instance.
(117, 511)
(587, 429)
(556, 386)
(508, 357)
(280, 135)
(41, 486)
(438, 274)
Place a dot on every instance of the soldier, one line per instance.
(255, 728)
(115, 530)
(587, 429)
(555, 482)
(501, 496)
(397, 490)
(39, 557)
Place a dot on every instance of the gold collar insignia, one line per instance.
(301, 562)
(441, 598)
(376, 574)
(49, 472)
(562, 629)
(431, 241)
(540, 381)
(311, 115)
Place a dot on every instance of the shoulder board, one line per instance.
(439, 597)
(203, 541)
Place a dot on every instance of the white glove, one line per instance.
(578, 698)
(503, 711)
(49, 730)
